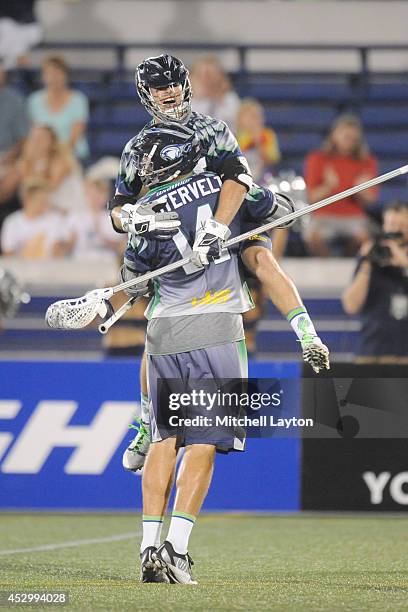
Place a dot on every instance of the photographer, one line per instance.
(379, 291)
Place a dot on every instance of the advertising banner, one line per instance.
(64, 427)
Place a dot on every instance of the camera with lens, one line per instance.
(380, 253)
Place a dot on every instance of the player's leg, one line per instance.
(285, 296)
(193, 482)
(278, 286)
(135, 455)
(194, 478)
(159, 469)
(158, 478)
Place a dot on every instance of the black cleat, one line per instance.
(150, 572)
(177, 567)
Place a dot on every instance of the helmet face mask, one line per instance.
(164, 152)
(167, 74)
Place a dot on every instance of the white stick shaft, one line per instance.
(269, 226)
(104, 327)
(321, 204)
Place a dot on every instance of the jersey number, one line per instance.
(204, 212)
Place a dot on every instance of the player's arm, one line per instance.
(233, 190)
(115, 209)
(263, 206)
(138, 291)
(138, 260)
(225, 158)
(128, 188)
(130, 216)
(144, 219)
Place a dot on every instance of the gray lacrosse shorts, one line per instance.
(189, 396)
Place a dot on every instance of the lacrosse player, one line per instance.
(164, 89)
(194, 328)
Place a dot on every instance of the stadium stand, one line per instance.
(300, 107)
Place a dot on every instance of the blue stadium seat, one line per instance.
(99, 116)
(299, 143)
(391, 163)
(311, 117)
(391, 192)
(95, 91)
(334, 92)
(383, 116)
(382, 143)
(387, 91)
(292, 162)
(111, 142)
(122, 90)
(129, 114)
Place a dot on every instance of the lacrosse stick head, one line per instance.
(79, 312)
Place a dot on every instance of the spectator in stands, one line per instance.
(13, 130)
(92, 228)
(35, 232)
(258, 142)
(19, 31)
(379, 291)
(343, 161)
(45, 158)
(212, 91)
(60, 107)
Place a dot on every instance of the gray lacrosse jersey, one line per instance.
(212, 297)
(218, 287)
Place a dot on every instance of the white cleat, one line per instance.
(176, 567)
(134, 456)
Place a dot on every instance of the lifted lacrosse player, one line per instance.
(164, 89)
(194, 332)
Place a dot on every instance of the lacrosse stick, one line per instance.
(75, 314)
(103, 328)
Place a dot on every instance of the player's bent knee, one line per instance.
(265, 262)
(250, 257)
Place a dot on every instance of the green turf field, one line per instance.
(243, 562)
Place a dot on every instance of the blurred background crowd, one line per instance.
(62, 131)
(49, 182)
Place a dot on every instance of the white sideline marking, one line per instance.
(73, 543)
